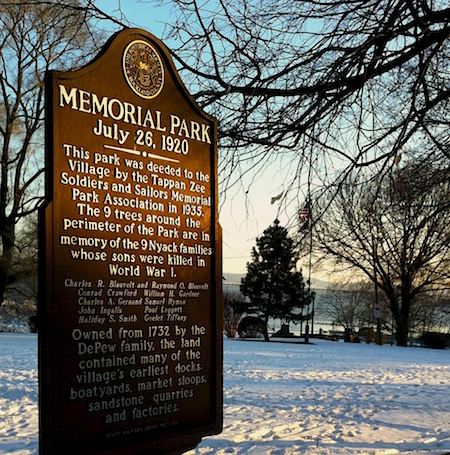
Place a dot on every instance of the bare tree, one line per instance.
(35, 36)
(233, 309)
(396, 232)
(431, 312)
(348, 305)
(328, 85)
(23, 275)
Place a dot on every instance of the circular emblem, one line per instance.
(143, 69)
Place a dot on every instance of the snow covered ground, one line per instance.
(285, 399)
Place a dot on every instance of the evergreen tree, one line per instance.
(273, 286)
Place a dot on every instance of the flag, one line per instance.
(305, 214)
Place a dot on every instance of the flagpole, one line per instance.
(310, 223)
(306, 219)
(303, 216)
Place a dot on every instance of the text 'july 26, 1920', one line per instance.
(130, 348)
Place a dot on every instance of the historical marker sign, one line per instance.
(130, 346)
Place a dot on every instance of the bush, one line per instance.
(15, 316)
(436, 340)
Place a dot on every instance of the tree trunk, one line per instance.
(8, 239)
(401, 335)
(400, 311)
(3, 283)
(266, 329)
(402, 321)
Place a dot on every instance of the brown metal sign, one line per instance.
(130, 308)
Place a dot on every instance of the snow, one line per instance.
(284, 399)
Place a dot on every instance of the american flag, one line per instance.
(305, 214)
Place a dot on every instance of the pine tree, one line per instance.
(273, 286)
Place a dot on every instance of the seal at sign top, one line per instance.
(143, 69)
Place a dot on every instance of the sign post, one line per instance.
(130, 304)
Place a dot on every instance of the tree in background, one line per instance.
(329, 85)
(431, 312)
(273, 286)
(348, 305)
(233, 309)
(35, 36)
(395, 231)
(23, 276)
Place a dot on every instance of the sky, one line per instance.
(246, 211)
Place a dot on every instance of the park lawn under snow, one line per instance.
(284, 398)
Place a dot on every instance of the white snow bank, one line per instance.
(285, 399)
